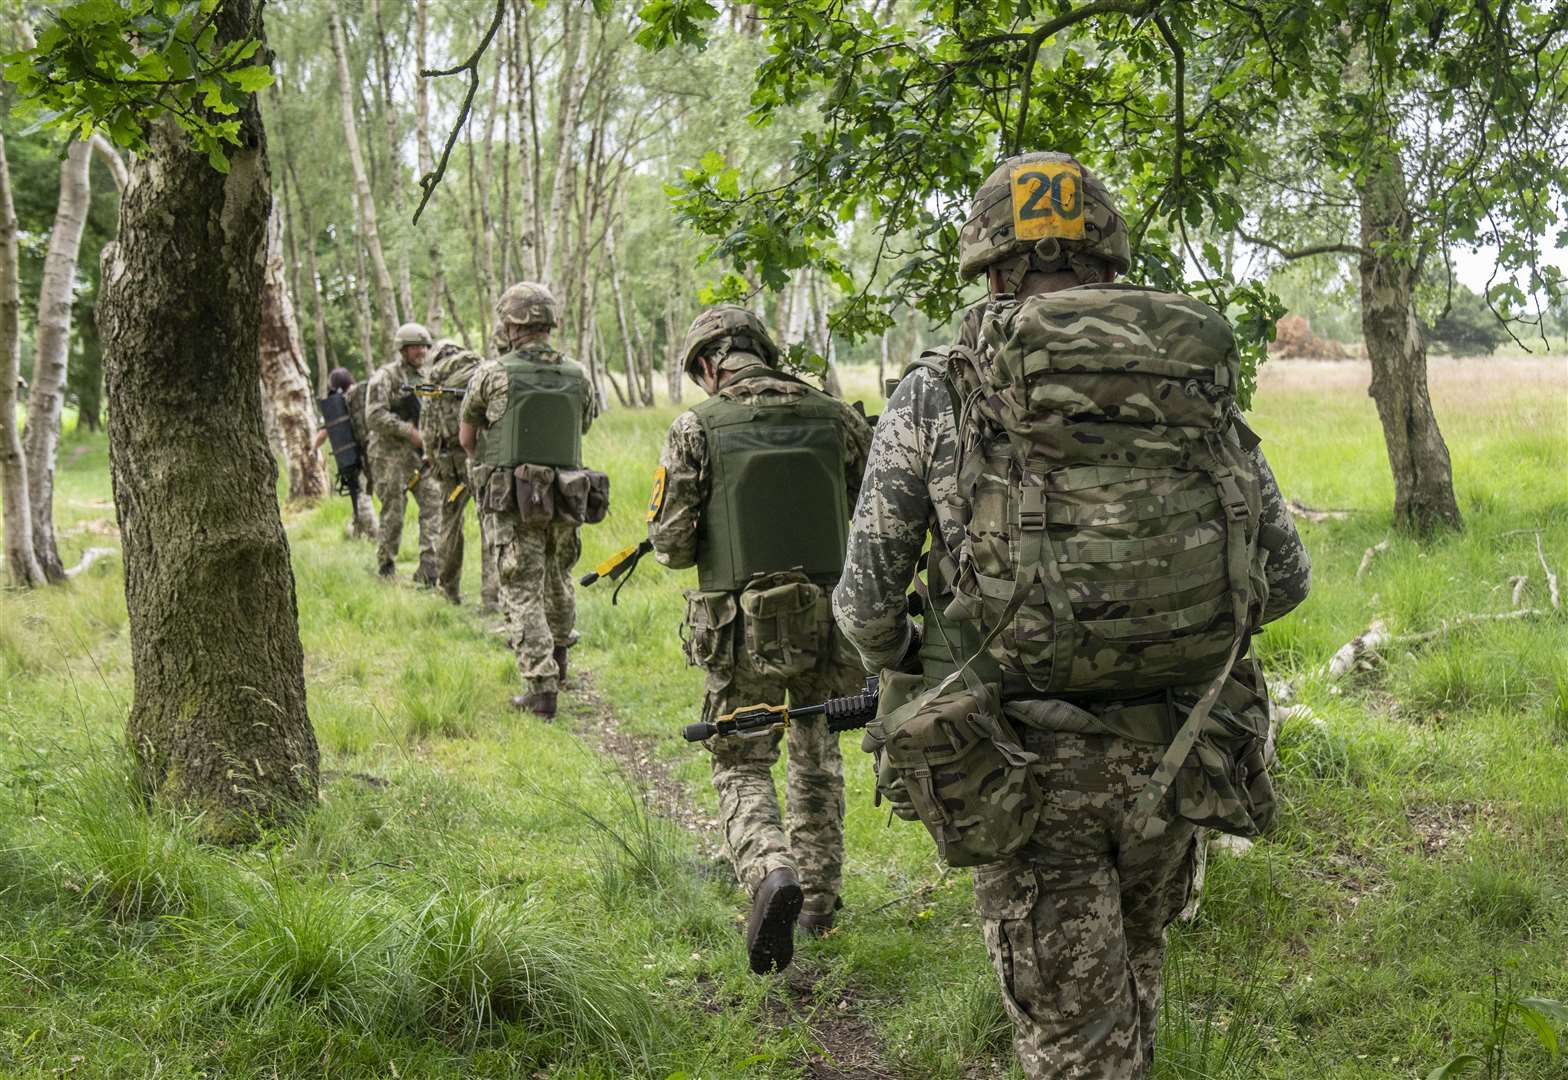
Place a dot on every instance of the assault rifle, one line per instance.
(618, 567)
(843, 713)
(430, 389)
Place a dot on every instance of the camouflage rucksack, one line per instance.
(451, 369)
(1110, 511)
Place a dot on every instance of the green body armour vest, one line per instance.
(543, 422)
(776, 500)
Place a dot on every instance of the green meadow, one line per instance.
(482, 894)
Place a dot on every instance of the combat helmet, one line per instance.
(1048, 206)
(411, 333)
(528, 303)
(742, 329)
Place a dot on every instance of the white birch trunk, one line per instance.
(46, 397)
(20, 562)
(386, 301)
(284, 377)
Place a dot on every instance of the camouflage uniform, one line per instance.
(449, 467)
(533, 560)
(396, 461)
(757, 842)
(1075, 923)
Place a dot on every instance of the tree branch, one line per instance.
(428, 182)
(1292, 254)
(1036, 38)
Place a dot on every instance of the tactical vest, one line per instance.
(440, 416)
(543, 422)
(776, 498)
(340, 431)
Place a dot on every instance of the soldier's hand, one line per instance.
(890, 785)
(417, 439)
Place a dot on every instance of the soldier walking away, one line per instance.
(450, 369)
(1105, 538)
(398, 451)
(522, 426)
(754, 488)
(343, 420)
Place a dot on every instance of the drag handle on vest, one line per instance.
(847, 713)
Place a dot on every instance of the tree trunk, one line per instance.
(20, 561)
(674, 376)
(882, 361)
(284, 376)
(363, 318)
(318, 311)
(1424, 497)
(634, 382)
(405, 281)
(218, 723)
(47, 394)
(575, 55)
(386, 302)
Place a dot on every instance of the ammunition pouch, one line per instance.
(962, 767)
(535, 493)
(582, 496)
(788, 623)
(710, 630)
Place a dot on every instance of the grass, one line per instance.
(483, 895)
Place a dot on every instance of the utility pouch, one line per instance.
(710, 629)
(535, 486)
(496, 493)
(1225, 783)
(582, 496)
(784, 625)
(963, 768)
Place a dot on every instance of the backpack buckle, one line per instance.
(1031, 508)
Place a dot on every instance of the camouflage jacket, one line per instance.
(684, 461)
(385, 389)
(357, 418)
(911, 490)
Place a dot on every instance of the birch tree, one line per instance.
(284, 375)
(21, 561)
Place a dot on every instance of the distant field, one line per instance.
(483, 895)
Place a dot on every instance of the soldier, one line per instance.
(523, 418)
(451, 368)
(1047, 509)
(358, 478)
(397, 449)
(754, 487)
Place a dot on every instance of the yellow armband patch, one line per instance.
(1047, 200)
(656, 500)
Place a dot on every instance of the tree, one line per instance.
(218, 723)
(47, 394)
(20, 560)
(1170, 101)
(284, 375)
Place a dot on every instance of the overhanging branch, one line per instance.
(428, 182)
(1292, 254)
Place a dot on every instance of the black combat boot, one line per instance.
(770, 931)
(539, 702)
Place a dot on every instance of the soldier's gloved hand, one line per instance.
(890, 785)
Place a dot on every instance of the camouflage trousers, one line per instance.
(535, 589)
(392, 477)
(362, 523)
(757, 841)
(1075, 923)
(449, 545)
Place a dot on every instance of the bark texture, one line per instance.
(1424, 497)
(284, 376)
(21, 564)
(218, 722)
(47, 394)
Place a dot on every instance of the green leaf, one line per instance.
(248, 80)
(1457, 1067)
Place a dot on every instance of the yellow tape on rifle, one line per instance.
(604, 568)
(457, 493)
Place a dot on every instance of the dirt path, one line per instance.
(848, 1048)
